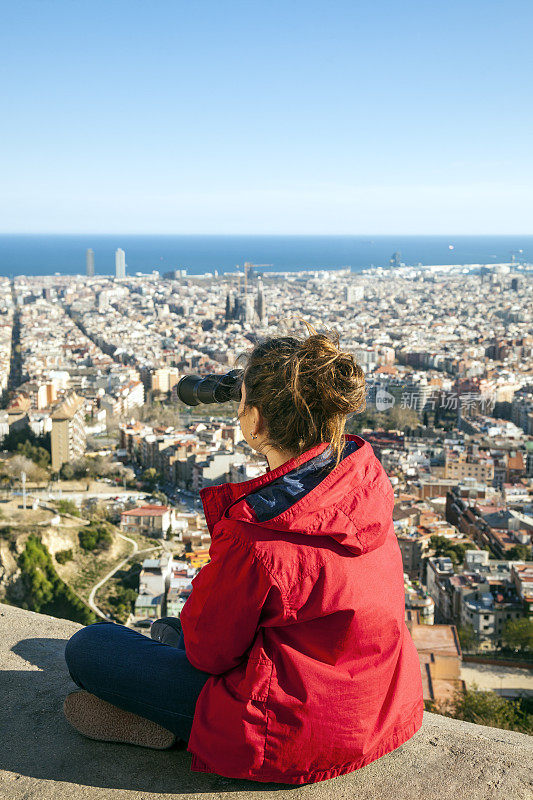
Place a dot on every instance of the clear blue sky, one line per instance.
(299, 116)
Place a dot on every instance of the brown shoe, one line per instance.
(98, 719)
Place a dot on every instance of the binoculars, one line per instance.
(195, 389)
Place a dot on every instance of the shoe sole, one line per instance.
(98, 719)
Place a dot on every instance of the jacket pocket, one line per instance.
(257, 678)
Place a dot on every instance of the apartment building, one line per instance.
(413, 548)
(68, 439)
(164, 379)
(476, 465)
(150, 520)
(155, 575)
(211, 471)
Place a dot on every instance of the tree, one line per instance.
(519, 552)
(370, 418)
(95, 536)
(121, 602)
(444, 547)
(163, 414)
(518, 634)
(150, 476)
(18, 464)
(62, 556)
(102, 511)
(80, 467)
(24, 441)
(67, 472)
(95, 467)
(68, 507)
(401, 418)
(467, 636)
(45, 592)
(486, 708)
(127, 474)
(35, 453)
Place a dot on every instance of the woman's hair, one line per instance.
(304, 389)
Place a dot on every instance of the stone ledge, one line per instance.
(42, 757)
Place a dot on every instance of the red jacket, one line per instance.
(300, 619)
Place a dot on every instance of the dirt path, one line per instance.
(109, 575)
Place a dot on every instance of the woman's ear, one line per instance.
(256, 420)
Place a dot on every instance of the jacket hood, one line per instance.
(351, 503)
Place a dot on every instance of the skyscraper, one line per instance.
(248, 308)
(260, 301)
(231, 306)
(89, 262)
(120, 263)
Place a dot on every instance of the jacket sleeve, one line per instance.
(221, 615)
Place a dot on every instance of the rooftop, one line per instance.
(146, 511)
(69, 406)
(44, 757)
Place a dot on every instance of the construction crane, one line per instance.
(247, 266)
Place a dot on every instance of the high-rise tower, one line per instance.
(248, 309)
(260, 301)
(120, 263)
(231, 306)
(89, 262)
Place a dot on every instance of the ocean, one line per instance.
(38, 254)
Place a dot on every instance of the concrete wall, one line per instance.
(43, 758)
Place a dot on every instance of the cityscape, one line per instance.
(102, 461)
(266, 400)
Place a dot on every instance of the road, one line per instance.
(103, 493)
(100, 583)
(503, 680)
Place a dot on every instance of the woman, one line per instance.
(294, 663)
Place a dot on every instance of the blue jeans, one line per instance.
(137, 674)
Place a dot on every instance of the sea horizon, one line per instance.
(35, 254)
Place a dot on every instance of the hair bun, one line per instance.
(304, 389)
